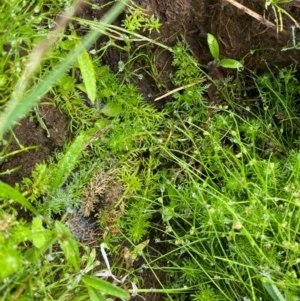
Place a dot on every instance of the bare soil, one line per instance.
(30, 133)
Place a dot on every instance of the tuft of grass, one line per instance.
(229, 209)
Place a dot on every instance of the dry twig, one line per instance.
(178, 89)
(252, 14)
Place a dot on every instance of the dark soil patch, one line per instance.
(30, 133)
(236, 31)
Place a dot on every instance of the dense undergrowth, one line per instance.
(205, 194)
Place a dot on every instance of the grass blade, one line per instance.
(105, 287)
(8, 192)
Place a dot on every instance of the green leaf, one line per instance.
(102, 123)
(66, 84)
(274, 292)
(11, 260)
(3, 81)
(105, 287)
(68, 244)
(69, 160)
(213, 46)
(8, 192)
(167, 213)
(105, 93)
(38, 233)
(94, 294)
(67, 44)
(172, 193)
(88, 74)
(111, 109)
(81, 87)
(230, 63)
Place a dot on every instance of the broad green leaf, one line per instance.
(105, 287)
(81, 87)
(270, 287)
(10, 259)
(8, 192)
(172, 194)
(34, 254)
(274, 292)
(91, 260)
(95, 295)
(69, 160)
(213, 46)
(88, 74)
(111, 109)
(38, 233)
(230, 63)
(68, 244)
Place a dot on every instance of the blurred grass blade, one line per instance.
(270, 288)
(8, 192)
(18, 107)
(38, 233)
(88, 74)
(95, 295)
(273, 290)
(68, 244)
(105, 287)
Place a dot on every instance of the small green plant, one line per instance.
(230, 167)
(136, 19)
(225, 62)
(278, 11)
(31, 262)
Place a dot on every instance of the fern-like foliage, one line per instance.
(137, 220)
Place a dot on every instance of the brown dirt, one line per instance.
(30, 133)
(236, 31)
